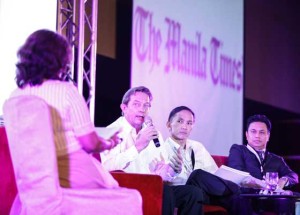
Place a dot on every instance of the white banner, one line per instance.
(190, 52)
(18, 19)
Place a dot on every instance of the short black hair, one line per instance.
(259, 118)
(178, 109)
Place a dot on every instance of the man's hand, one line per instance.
(251, 182)
(176, 162)
(145, 136)
(111, 142)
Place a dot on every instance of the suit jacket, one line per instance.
(241, 158)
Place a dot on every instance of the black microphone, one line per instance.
(148, 122)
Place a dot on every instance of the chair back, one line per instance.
(220, 160)
(30, 137)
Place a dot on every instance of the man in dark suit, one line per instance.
(254, 157)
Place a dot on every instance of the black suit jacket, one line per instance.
(241, 158)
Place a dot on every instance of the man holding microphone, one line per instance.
(142, 150)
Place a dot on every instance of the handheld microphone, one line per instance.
(148, 122)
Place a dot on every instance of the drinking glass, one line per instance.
(272, 181)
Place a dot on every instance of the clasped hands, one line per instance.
(251, 182)
(167, 170)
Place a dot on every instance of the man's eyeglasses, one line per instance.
(145, 106)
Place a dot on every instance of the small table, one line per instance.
(275, 203)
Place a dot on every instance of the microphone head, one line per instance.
(147, 121)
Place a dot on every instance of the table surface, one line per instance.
(270, 196)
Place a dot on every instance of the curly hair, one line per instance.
(45, 55)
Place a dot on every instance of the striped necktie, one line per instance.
(261, 155)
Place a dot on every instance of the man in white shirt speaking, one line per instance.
(137, 153)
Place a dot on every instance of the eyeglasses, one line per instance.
(146, 106)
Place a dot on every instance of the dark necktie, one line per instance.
(261, 155)
(193, 158)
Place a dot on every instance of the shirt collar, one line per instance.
(253, 150)
(126, 126)
(177, 145)
(173, 143)
(256, 154)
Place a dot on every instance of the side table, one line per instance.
(275, 203)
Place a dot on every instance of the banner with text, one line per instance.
(191, 53)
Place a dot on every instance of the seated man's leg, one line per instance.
(168, 203)
(211, 184)
(234, 204)
(221, 192)
(188, 199)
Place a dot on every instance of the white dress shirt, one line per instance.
(203, 159)
(126, 157)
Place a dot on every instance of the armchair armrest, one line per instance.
(150, 187)
(8, 187)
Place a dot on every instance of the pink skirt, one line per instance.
(81, 170)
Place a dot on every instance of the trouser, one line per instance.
(186, 198)
(218, 191)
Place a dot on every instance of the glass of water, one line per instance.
(272, 179)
